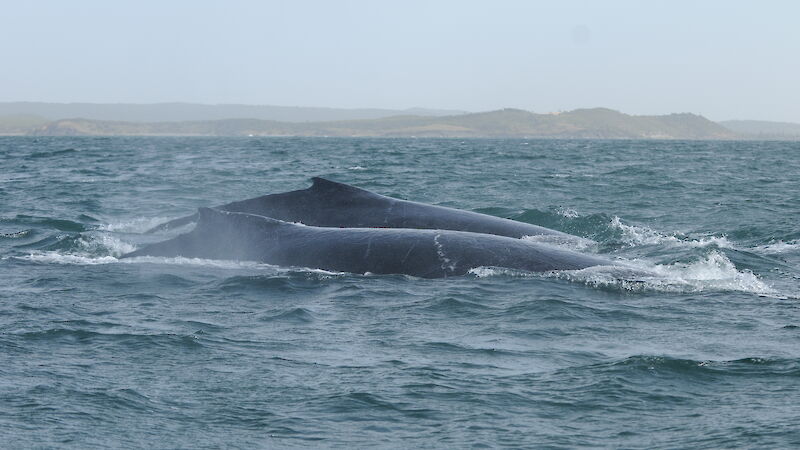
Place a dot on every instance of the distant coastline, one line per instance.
(179, 119)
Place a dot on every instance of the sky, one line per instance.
(722, 59)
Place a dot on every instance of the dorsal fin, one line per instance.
(323, 185)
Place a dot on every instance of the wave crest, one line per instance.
(633, 235)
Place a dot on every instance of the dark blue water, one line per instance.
(180, 353)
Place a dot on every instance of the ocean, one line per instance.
(98, 352)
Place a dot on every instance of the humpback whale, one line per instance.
(331, 204)
(424, 253)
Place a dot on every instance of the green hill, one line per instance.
(180, 112)
(597, 123)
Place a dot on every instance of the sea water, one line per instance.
(99, 352)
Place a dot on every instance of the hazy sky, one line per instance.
(722, 59)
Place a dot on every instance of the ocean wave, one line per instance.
(270, 269)
(488, 272)
(48, 154)
(276, 279)
(101, 244)
(136, 225)
(569, 213)
(562, 218)
(128, 339)
(778, 247)
(86, 245)
(567, 241)
(184, 261)
(296, 316)
(748, 366)
(594, 230)
(54, 257)
(713, 272)
(452, 306)
(16, 235)
(104, 248)
(74, 258)
(633, 235)
(46, 222)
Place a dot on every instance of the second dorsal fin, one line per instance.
(323, 185)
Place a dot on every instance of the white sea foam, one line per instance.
(568, 213)
(51, 257)
(88, 259)
(714, 272)
(16, 235)
(137, 225)
(778, 247)
(567, 241)
(184, 261)
(230, 265)
(88, 249)
(102, 244)
(488, 272)
(95, 248)
(640, 235)
(261, 268)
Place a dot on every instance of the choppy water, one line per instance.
(156, 352)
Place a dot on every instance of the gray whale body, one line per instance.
(422, 253)
(331, 204)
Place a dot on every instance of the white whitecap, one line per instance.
(778, 247)
(633, 235)
(567, 212)
(713, 272)
(567, 241)
(136, 225)
(102, 244)
(51, 257)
